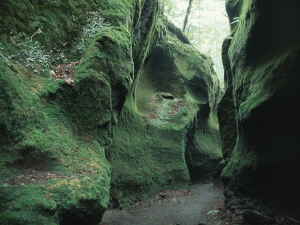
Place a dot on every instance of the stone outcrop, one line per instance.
(259, 112)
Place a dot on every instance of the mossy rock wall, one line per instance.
(261, 59)
(77, 83)
(168, 129)
(65, 70)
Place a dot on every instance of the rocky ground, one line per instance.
(199, 205)
(202, 204)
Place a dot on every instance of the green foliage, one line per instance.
(207, 27)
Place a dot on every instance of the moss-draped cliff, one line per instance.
(62, 88)
(83, 81)
(259, 112)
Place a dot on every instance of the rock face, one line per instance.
(65, 70)
(168, 129)
(84, 82)
(259, 112)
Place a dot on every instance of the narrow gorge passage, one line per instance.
(197, 206)
(106, 103)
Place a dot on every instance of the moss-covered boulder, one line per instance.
(65, 69)
(259, 112)
(49, 172)
(168, 128)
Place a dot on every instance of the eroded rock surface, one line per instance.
(168, 130)
(259, 112)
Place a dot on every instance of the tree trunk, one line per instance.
(188, 11)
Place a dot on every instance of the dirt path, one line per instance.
(173, 208)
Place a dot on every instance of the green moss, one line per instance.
(49, 126)
(60, 22)
(111, 46)
(145, 27)
(37, 135)
(39, 35)
(260, 92)
(260, 105)
(150, 140)
(49, 140)
(39, 208)
(83, 195)
(145, 159)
